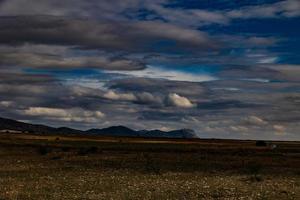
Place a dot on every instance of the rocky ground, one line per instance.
(32, 169)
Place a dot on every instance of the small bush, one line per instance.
(56, 158)
(92, 150)
(254, 169)
(85, 151)
(261, 143)
(65, 149)
(150, 165)
(43, 150)
(82, 152)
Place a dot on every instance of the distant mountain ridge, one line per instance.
(8, 125)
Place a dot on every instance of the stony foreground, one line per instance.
(35, 169)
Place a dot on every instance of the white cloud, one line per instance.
(290, 71)
(146, 97)
(36, 60)
(72, 115)
(210, 17)
(142, 97)
(198, 17)
(178, 33)
(289, 8)
(279, 130)
(254, 120)
(232, 89)
(155, 72)
(116, 10)
(260, 80)
(241, 129)
(6, 103)
(192, 17)
(179, 101)
(268, 60)
(166, 129)
(119, 96)
(261, 41)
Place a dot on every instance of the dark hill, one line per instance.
(183, 133)
(114, 131)
(118, 131)
(9, 124)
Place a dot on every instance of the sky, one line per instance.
(224, 68)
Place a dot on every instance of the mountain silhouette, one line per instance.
(10, 125)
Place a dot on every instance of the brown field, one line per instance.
(90, 167)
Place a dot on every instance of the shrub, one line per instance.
(150, 165)
(65, 149)
(42, 150)
(56, 158)
(261, 143)
(92, 150)
(82, 152)
(254, 169)
(85, 151)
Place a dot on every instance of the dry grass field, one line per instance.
(72, 167)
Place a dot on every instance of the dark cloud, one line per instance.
(161, 116)
(250, 72)
(118, 36)
(31, 60)
(288, 8)
(227, 104)
(153, 9)
(158, 86)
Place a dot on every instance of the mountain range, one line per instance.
(10, 125)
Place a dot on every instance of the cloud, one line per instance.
(279, 130)
(148, 98)
(191, 17)
(115, 96)
(176, 33)
(268, 60)
(68, 8)
(145, 98)
(262, 41)
(279, 127)
(173, 75)
(159, 87)
(249, 42)
(138, 37)
(291, 72)
(70, 115)
(179, 101)
(118, 10)
(32, 60)
(241, 129)
(225, 104)
(254, 120)
(200, 17)
(6, 103)
(125, 10)
(220, 111)
(165, 129)
(289, 8)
